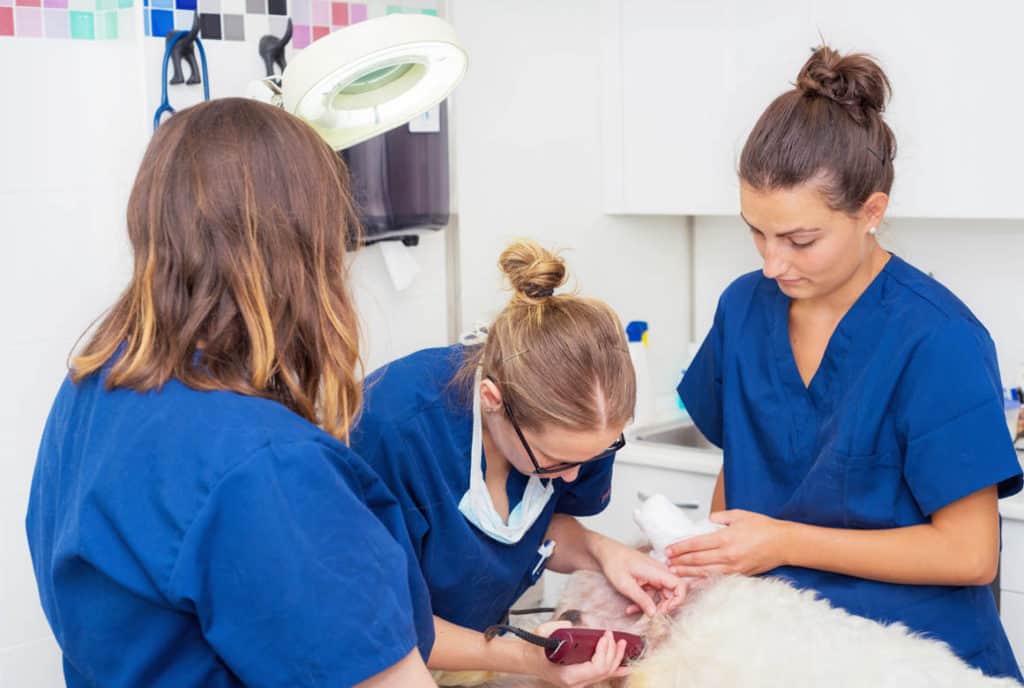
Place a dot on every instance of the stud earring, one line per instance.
(873, 230)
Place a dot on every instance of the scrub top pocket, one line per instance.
(871, 488)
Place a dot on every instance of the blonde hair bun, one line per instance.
(533, 271)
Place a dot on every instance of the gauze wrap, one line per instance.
(664, 524)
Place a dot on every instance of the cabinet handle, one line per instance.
(643, 496)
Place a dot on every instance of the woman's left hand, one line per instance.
(751, 544)
(636, 575)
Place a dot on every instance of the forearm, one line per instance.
(463, 649)
(718, 496)
(575, 546)
(926, 554)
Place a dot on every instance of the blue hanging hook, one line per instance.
(187, 39)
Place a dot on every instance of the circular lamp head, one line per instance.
(373, 76)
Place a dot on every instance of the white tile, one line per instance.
(32, 665)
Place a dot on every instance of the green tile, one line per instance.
(82, 25)
(432, 13)
(106, 25)
(102, 5)
(125, 4)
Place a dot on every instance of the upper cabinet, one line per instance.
(684, 81)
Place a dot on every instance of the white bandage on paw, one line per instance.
(663, 523)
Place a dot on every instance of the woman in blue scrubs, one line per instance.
(494, 448)
(196, 518)
(858, 402)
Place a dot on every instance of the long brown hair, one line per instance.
(829, 128)
(559, 360)
(238, 222)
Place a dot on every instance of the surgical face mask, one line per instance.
(478, 507)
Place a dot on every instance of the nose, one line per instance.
(774, 264)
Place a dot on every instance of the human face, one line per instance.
(555, 452)
(809, 249)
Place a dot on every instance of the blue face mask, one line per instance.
(476, 505)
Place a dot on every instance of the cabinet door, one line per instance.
(1011, 609)
(685, 81)
(691, 490)
(1011, 572)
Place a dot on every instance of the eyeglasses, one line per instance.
(564, 465)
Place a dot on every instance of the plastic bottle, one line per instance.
(636, 333)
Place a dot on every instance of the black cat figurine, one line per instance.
(272, 49)
(184, 49)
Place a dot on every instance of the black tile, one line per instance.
(209, 26)
(279, 7)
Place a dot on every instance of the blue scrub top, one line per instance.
(903, 417)
(415, 431)
(187, 538)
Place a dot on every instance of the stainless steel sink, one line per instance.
(677, 434)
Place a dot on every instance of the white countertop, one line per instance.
(709, 462)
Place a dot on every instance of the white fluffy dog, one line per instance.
(735, 631)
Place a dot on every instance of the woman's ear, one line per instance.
(874, 208)
(490, 397)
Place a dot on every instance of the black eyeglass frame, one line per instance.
(564, 465)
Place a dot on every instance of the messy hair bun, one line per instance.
(829, 130)
(533, 271)
(854, 81)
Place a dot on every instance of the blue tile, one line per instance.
(162, 22)
(162, 4)
(185, 4)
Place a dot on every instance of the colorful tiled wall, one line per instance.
(239, 20)
(77, 19)
(229, 20)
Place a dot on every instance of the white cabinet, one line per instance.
(1011, 574)
(689, 488)
(684, 82)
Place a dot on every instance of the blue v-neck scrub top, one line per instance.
(184, 538)
(415, 432)
(903, 417)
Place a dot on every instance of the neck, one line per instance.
(839, 301)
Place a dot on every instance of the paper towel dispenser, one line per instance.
(400, 178)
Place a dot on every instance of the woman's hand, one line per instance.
(636, 575)
(751, 544)
(603, 665)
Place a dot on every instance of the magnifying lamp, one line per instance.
(365, 79)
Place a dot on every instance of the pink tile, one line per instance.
(26, 3)
(356, 12)
(320, 31)
(300, 36)
(321, 12)
(6, 3)
(6, 21)
(58, 24)
(339, 14)
(56, 4)
(28, 21)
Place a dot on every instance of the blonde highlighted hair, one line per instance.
(559, 359)
(239, 220)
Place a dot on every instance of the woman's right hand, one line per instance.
(604, 665)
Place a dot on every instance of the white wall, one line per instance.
(72, 134)
(63, 188)
(528, 164)
(981, 261)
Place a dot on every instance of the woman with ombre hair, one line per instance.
(196, 517)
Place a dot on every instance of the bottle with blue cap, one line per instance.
(637, 334)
